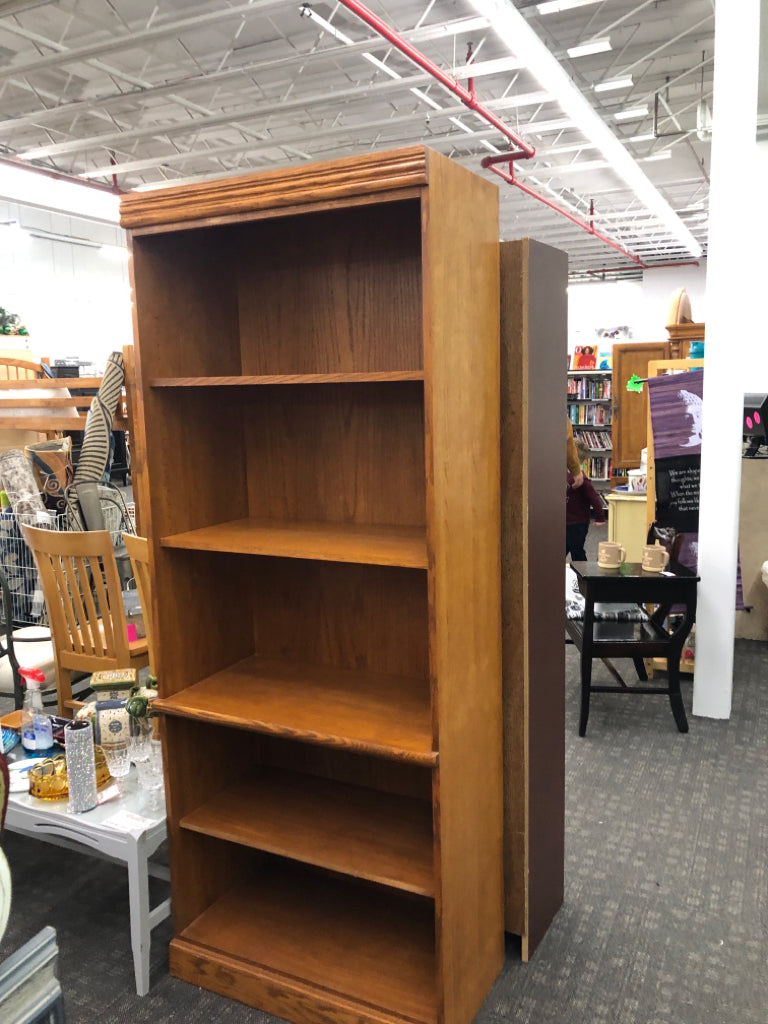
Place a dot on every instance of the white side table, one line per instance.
(118, 829)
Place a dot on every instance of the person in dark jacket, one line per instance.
(580, 502)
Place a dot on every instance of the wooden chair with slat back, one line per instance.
(138, 551)
(83, 596)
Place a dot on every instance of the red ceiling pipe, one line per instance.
(646, 266)
(470, 100)
(470, 81)
(492, 162)
(467, 98)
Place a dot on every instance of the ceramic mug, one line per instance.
(610, 554)
(655, 557)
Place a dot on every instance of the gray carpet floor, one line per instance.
(665, 919)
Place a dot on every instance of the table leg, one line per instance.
(675, 697)
(586, 682)
(642, 674)
(138, 898)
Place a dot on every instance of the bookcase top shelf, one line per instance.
(365, 712)
(378, 376)
(403, 546)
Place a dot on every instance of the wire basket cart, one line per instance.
(18, 564)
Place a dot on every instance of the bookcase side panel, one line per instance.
(462, 400)
(533, 322)
(202, 632)
(186, 314)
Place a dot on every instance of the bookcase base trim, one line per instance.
(271, 992)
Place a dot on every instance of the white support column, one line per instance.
(735, 321)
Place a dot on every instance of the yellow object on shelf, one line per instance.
(48, 780)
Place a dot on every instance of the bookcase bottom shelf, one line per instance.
(307, 946)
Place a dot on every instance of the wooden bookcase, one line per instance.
(590, 412)
(318, 364)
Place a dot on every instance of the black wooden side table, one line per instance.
(629, 583)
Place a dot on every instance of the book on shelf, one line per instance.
(596, 440)
(589, 387)
(590, 414)
(598, 467)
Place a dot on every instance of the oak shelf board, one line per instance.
(373, 377)
(337, 936)
(350, 829)
(364, 712)
(403, 546)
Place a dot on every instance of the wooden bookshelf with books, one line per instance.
(589, 402)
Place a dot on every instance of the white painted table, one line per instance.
(120, 828)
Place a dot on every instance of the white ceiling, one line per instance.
(158, 91)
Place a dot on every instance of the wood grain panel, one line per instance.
(349, 829)
(461, 282)
(186, 316)
(341, 937)
(339, 179)
(287, 378)
(334, 542)
(372, 713)
(202, 630)
(357, 617)
(533, 348)
(342, 453)
(197, 474)
(331, 292)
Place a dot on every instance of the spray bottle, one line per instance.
(36, 732)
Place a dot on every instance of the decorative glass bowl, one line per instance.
(48, 780)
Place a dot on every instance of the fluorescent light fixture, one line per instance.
(665, 154)
(633, 114)
(601, 45)
(26, 186)
(642, 138)
(555, 6)
(486, 67)
(523, 42)
(578, 166)
(426, 99)
(614, 83)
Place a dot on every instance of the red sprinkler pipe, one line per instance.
(467, 98)
(470, 100)
(470, 81)
(491, 162)
(646, 266)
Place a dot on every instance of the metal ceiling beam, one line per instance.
(387, 87)
(142, 37)
(340, 130)
(149, 91)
